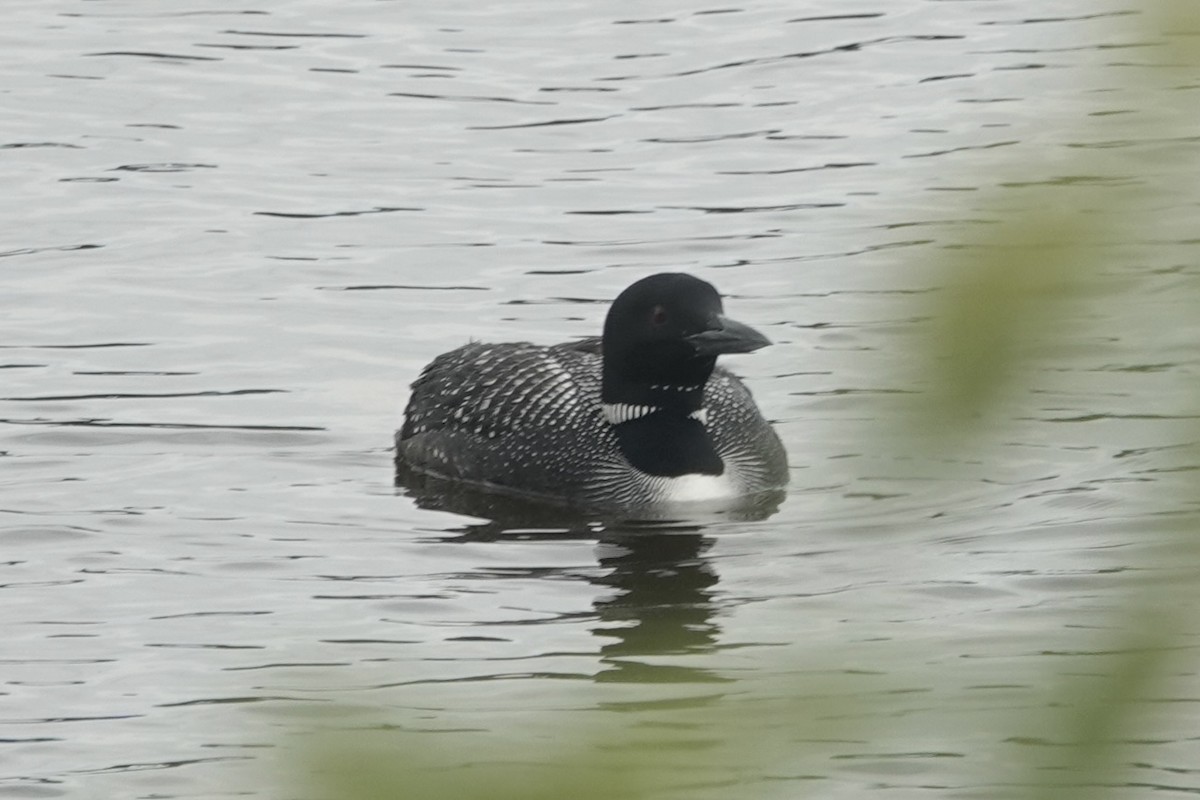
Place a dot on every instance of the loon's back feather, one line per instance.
(528, 419)
(499, 414)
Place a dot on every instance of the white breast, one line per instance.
(697, 488)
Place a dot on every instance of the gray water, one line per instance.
(235, 233)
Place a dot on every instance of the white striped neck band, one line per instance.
(670, 387)
(617, 413)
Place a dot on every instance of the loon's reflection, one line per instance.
(661, 608)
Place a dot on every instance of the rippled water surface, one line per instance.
(235, 233)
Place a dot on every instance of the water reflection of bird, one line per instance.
(658, 608)
(641, 417)
(663, 606)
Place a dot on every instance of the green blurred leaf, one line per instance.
(1006, 296)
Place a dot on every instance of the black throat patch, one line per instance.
(668, 445)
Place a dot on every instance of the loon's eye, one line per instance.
(659, 316)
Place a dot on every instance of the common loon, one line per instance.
(641, 416)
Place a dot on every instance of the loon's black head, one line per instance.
(667, 330)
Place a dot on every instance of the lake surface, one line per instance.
(235, 233)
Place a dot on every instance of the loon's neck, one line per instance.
(643, 378)
(661, 426)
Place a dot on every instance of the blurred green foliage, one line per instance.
(1052, 245)
(667, 750)
(1023, 287)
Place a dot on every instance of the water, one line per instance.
(236, 233)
